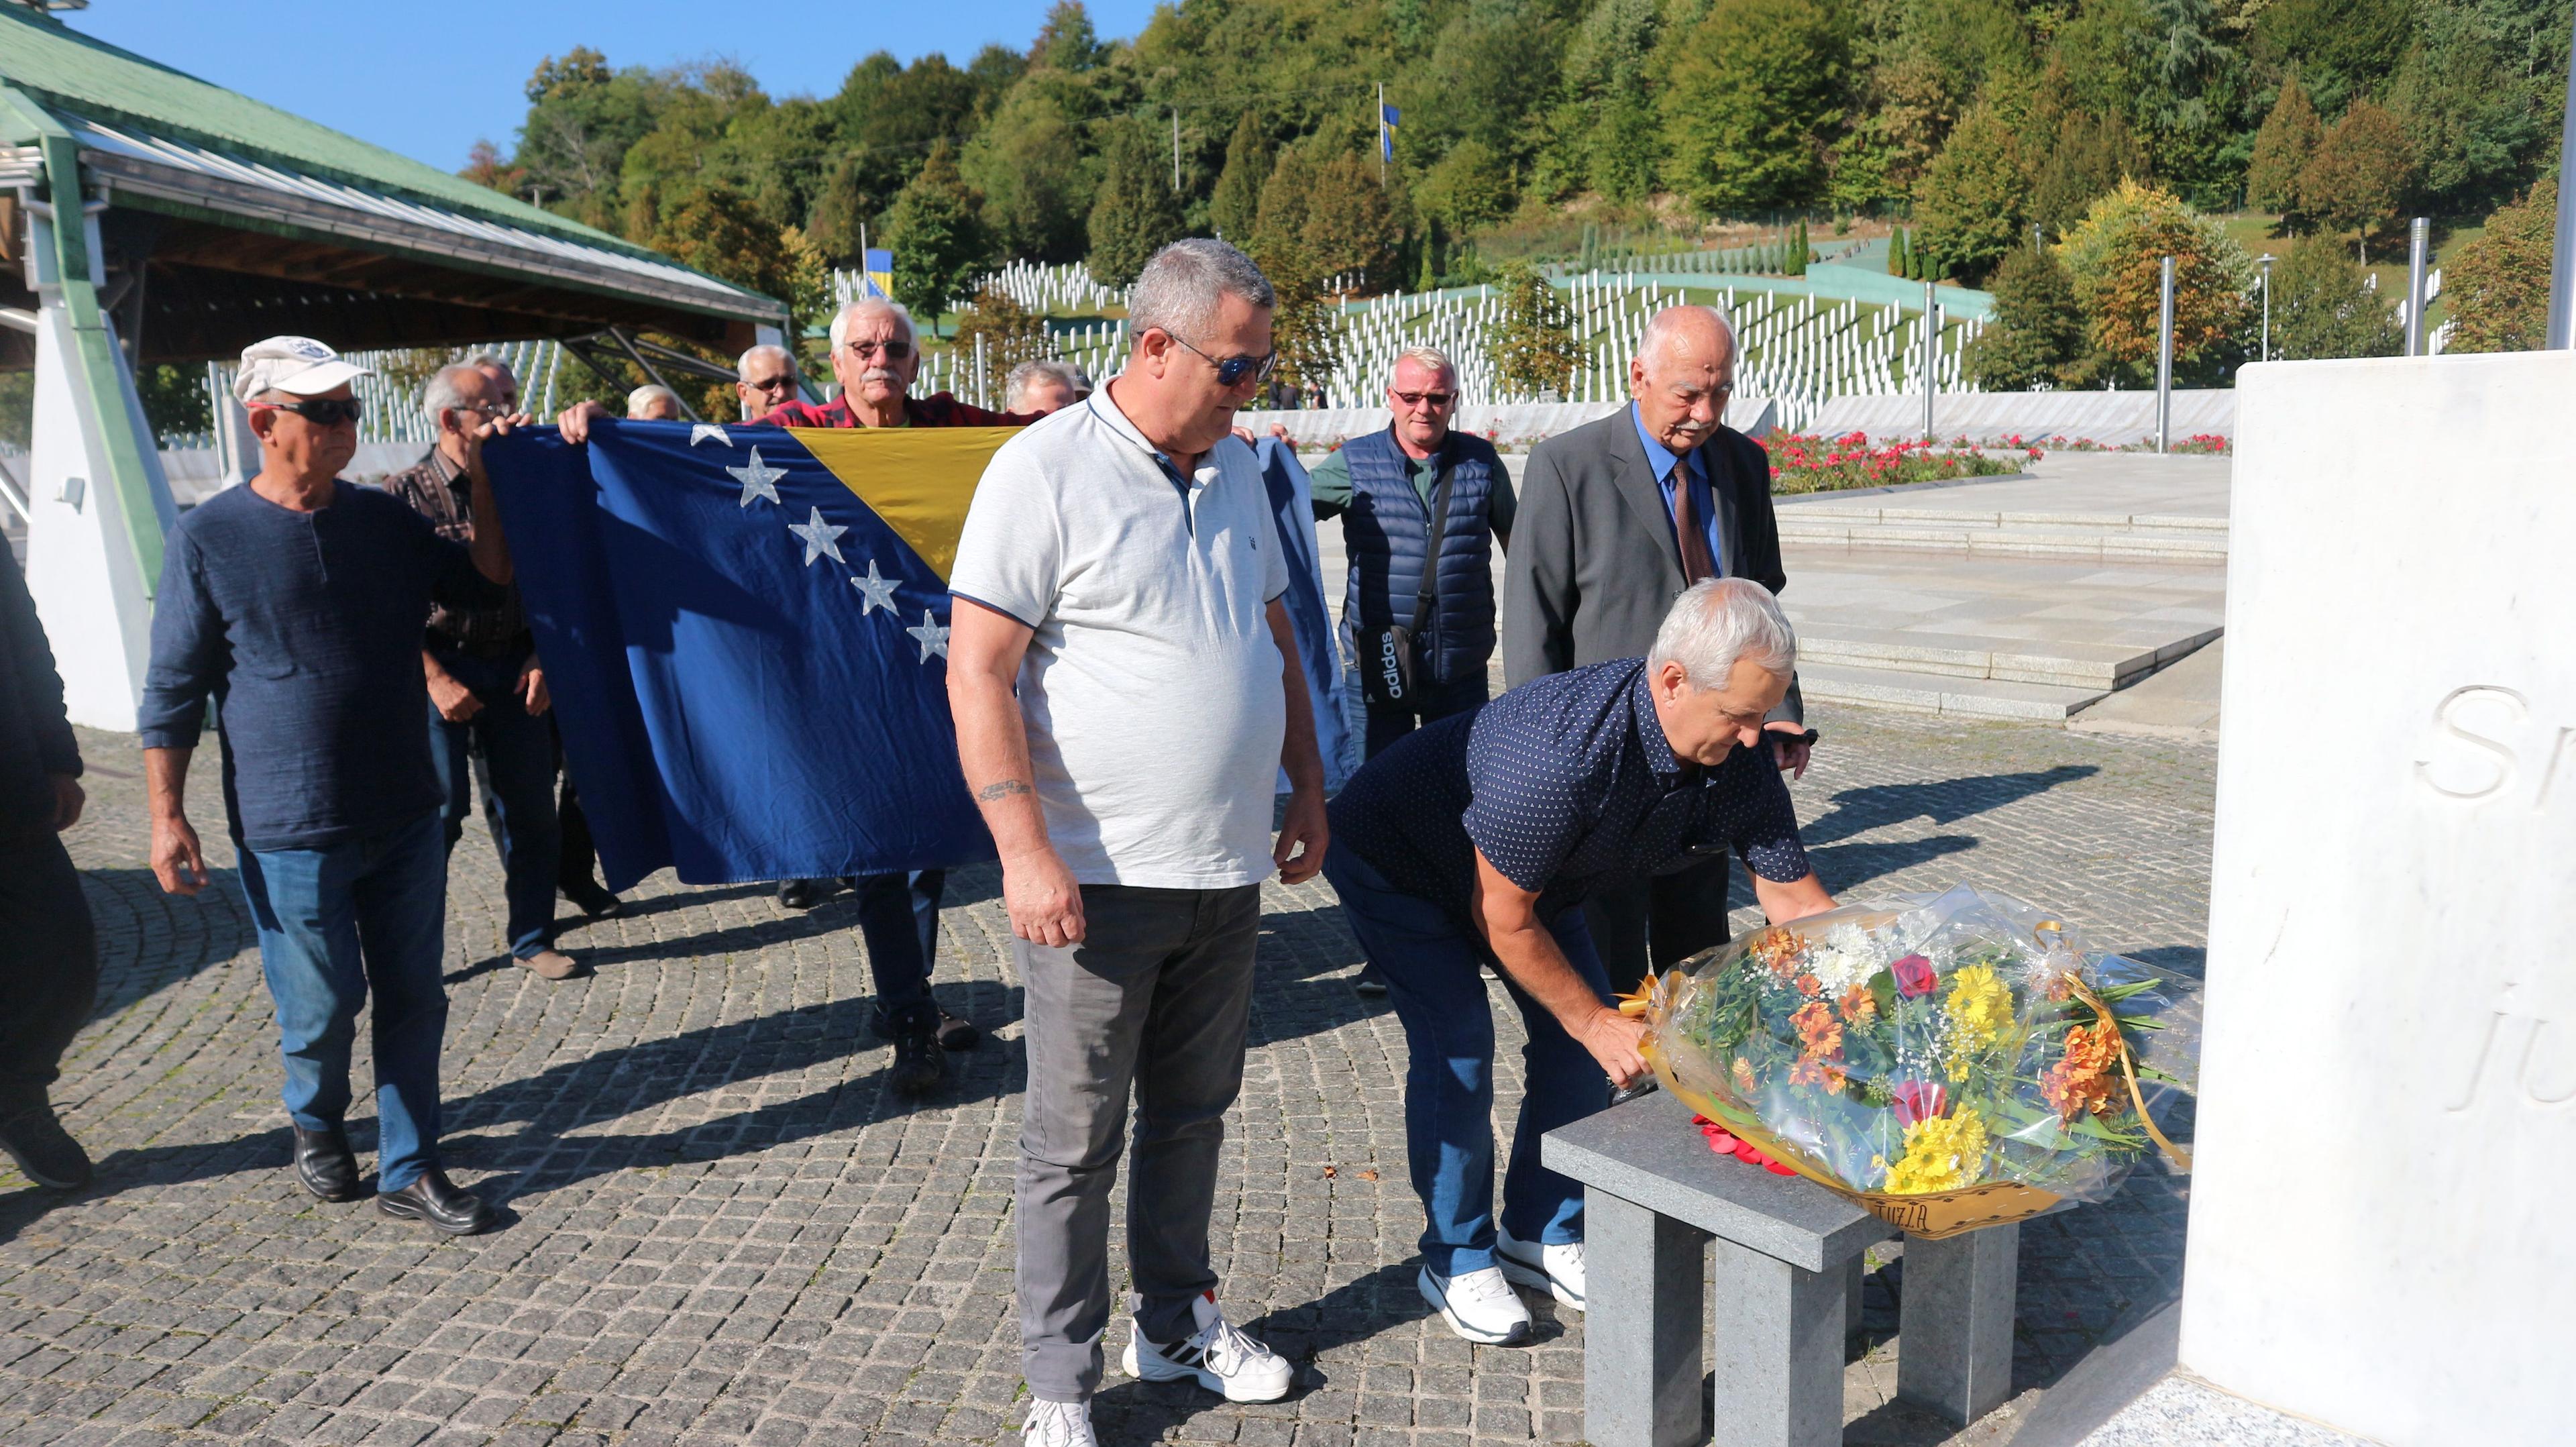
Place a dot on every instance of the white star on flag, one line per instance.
(934, 638)
(756, 481)
(875, 592)
(700, 432)
(820, 537)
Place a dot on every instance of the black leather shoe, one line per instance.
(434, 1199)
(44, 1151)
(956, 1034)
(325, 1165)
(593, 901)
(801, 893)
(919, 1067)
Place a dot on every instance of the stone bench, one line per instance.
(1789, 1260)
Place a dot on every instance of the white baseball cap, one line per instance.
(299, 365)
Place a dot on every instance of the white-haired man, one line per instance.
(487, 690)
(1473, 844)
(1126, 690)
(653, 402)
(1044, 386)
(764, 379)
(296, 599)
(875, 358)
(1616, 517)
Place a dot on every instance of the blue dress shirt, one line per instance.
(1703, 505)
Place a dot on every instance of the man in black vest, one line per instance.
(1385, 486)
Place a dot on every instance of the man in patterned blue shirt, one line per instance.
(1474, 841)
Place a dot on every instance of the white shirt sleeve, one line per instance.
(1010, 554)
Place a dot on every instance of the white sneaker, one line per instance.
(1058, 1424)
(1218, 1357)
(1478, 1305)
(1557, 1269)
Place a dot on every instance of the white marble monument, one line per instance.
(2383, 1218)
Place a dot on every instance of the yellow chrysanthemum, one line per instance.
(1980, 1004)
(1943, 1153)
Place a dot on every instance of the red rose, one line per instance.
(1919, 1100)
(1914, 976)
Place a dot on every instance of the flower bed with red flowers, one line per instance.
(1803, 462)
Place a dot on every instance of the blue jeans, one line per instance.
(333, 924)
(513, 759)
(1433, 969)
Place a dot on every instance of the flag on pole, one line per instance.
(1387, 116)
(876, 267)
(745, 632)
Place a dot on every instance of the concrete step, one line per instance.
(2175, 536)
(2101, 667)
(1944, 693)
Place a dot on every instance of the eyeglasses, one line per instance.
(328, 411)
(774, 384)
(1231, 371)
(1434, 399)
(895, 351)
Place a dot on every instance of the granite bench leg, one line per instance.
(1855, 1278)
(1641, 1362)
(1779, 1369)
(1955, 1322)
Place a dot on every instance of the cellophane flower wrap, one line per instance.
(1930, 1044)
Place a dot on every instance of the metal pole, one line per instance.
(1381, 130)
(2266, 263)
(2164, 358)
(983, 382)
(2562, 267)
(1931, 352)
(2417, 237)
(1176, 149)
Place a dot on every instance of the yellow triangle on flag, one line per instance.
(918, 479)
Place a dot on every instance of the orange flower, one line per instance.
(1820, 1035)
(1859, 1005)
(1817, 1072)
(1743, 1073)
(1809, 984)
(2082, 1081)
(1777, 948)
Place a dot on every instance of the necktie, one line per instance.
(1696, 563)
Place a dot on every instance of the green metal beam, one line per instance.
(93, 357)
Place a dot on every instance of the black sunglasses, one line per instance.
(1231, 371)
(895, 351)
(1436, 399)
(328, 411)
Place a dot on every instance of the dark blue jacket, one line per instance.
(1387, 530)
(35, 738)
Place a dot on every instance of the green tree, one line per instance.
(1287, 198)
(2115, 256)
(1898, 264)
(1012, 334)
(2342, 48)
(1534, 346)
(1469, 190)
(1304, 327)
(2322, 306)
(842, 213)
(1350, 221)
(1236, 207)
(1601, 133)
(2473, 125)
(1136, 212)
(2360, 173)
(2036, 336)
(1032, 166)
(1970, 201)
(937, 236)
(174, 401)
(2087, 156)
(1753, 94)
(2283, 148)
(2497, 286)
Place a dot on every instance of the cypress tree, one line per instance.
(1236, 206)
(1136, 214)
(937, 233)
(1897, 265)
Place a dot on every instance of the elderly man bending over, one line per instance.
(1474, 841)
(875, 357)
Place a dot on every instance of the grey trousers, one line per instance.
(1155, 997)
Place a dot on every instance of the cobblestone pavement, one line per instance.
(720, 1225)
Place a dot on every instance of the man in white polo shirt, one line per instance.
(1121, 567)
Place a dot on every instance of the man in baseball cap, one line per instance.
(298, 600)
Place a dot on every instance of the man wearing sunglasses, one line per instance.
(875, 357)
(295, 603)
(765, 380)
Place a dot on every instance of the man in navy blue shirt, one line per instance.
(1475, 841)
(295, 602)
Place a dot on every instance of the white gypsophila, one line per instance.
(1846, 959)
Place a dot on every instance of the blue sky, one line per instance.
(428, 79)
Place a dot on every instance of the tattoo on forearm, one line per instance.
(1002, 789)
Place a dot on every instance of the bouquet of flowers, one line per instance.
(1947, 1062)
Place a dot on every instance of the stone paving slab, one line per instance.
(720, 1227)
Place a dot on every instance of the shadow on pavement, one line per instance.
(1943, 801)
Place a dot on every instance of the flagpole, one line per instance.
(1381, 130)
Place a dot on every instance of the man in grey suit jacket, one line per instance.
(1616, 518)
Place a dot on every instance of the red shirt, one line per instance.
(940, 410)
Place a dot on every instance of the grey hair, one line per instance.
(1718, 622)
(645, 396)
(1066, 374)
(1182, 286)
(871, 304)
(486, 359)
(742, 364)
(441, 394)
(1660, 326)
(1432, 357)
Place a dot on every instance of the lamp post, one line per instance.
(2562, 266)
(2265, 261)
(2164, 356)
(1931, 353)
(2418, 238)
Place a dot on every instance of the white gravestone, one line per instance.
(2383, 1218)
